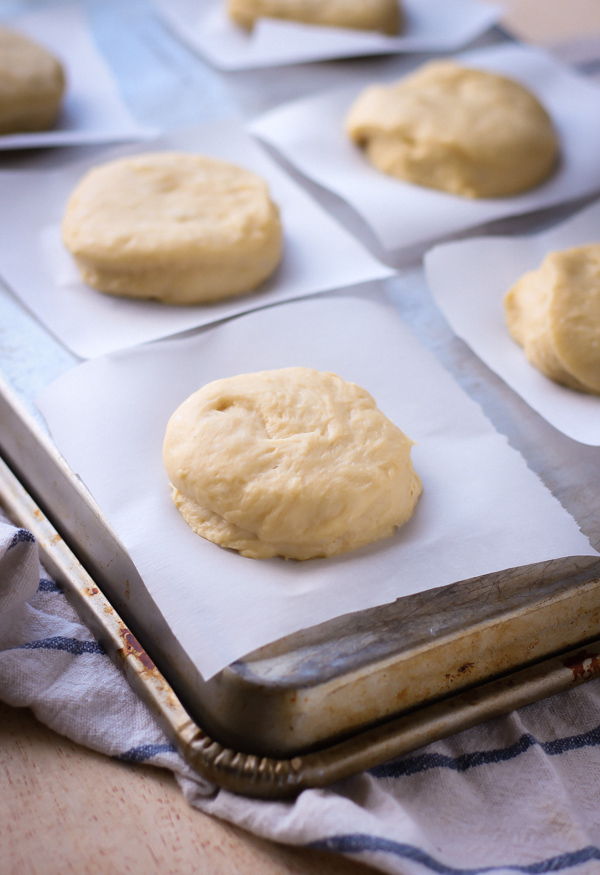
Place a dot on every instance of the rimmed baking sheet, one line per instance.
(270, 777)
(482, 509)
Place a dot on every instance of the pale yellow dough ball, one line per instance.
(32, 85)
(554, 314)
(293, 462)
(384, 16)
(177, 227)
(464, 131)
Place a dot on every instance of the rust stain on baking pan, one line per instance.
(460, 672)
(132, 647)
(583, 664)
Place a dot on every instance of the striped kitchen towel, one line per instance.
(519, 794)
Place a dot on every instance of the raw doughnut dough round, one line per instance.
(554, 314)
(32, 84)
(464, 131)
(292, 462)
(174, 226)
(379, 15)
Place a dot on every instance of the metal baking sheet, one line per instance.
(323, 692)
(324, 684)
(263, 776)
(353, 692)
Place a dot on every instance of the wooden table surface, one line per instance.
(65, 809)
(544, 22)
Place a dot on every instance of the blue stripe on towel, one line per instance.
(353, 844)
(70, 645)
(47, 585)
(19, 537)
(425, 761)
(144, 752)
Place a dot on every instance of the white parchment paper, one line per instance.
(481, 510)
(310, 134)
(318, 253)
(431, 26)
(469, 280)
(93, 111)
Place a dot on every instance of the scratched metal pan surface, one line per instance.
(267, 776)
(328, 683)
(331, 684)
(317, 688)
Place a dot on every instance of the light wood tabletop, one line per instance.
(65, 809)
(544, 22)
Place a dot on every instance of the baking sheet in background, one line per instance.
(310, 134)
(469, 280)
(91, 323)
(481, 509)
(431, 26)
(93, 111)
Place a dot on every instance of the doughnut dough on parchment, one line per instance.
(554, 314)
(178, 227)
(293, 462)
(32, 84)
(460, 130)
(377, 15)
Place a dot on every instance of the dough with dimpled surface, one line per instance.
(293, 462)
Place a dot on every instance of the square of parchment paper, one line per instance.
(481, 509)
(469, 279)
(92, 111)
(318, 253)
(310, 134)
(430, 26)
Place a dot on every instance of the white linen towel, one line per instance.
(518, 794)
